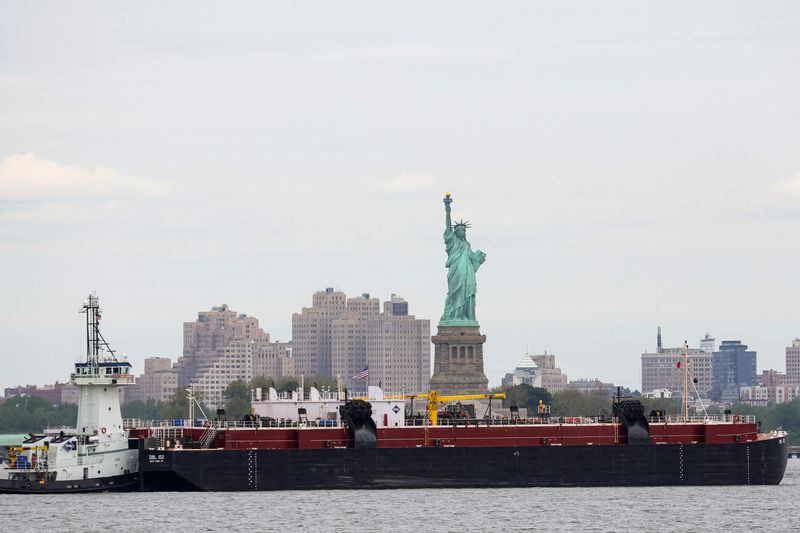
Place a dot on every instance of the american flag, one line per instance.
(361, 375)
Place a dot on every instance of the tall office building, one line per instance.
(660, 369)
(793, 363)
(733, 366)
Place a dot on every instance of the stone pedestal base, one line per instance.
(458, 361)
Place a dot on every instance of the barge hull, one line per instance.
(760, 462)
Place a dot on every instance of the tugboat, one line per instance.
(96, 456)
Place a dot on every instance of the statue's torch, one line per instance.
(448, 198)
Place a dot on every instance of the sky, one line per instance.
(624, 165)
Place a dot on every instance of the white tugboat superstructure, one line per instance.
(97, 455)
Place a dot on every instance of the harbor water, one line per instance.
(736, 508)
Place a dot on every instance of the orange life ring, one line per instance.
(103, 431)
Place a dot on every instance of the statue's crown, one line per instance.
(462, 223)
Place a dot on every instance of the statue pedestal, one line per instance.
(458, 361)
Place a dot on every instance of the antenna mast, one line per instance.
(685, 400)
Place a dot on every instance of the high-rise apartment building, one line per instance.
(349, 338)
(660, 370)
(398, 348)
(733, 365)
(204, 339)
(219, 348)
(274, 359)
(158, 382)
(338, 337)
(793, 363)
(311, 332)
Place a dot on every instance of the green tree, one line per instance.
(178, 405)
(576, 403)
(568, 403)
(237, 399)
(261, 382)
(286, 384)
(144, 410)
(788, 416)
(665, 405)
(22, 414)
(237, 389)
(526, 396)
(236, 408)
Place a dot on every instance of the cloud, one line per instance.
(29, 178)
(790, 187)
(407, 184)
(783, 197)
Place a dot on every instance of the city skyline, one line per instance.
(788, 365)
(621, 169)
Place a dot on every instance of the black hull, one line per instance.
(127, 482)
(756, 463)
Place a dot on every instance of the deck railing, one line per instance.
(133, 423)
(702, 419)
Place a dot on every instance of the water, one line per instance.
(422, 510)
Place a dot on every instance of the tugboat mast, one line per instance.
(91, 307)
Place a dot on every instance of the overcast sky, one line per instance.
(624, 165)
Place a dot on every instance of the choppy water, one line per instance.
(420, 510)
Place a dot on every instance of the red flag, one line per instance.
(679, 364)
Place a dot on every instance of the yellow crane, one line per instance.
(435, 400)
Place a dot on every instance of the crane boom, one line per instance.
(435, 401)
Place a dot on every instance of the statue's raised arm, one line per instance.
(448, 224)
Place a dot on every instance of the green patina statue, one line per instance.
(462, 263)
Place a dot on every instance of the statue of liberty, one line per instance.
(462, 263)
